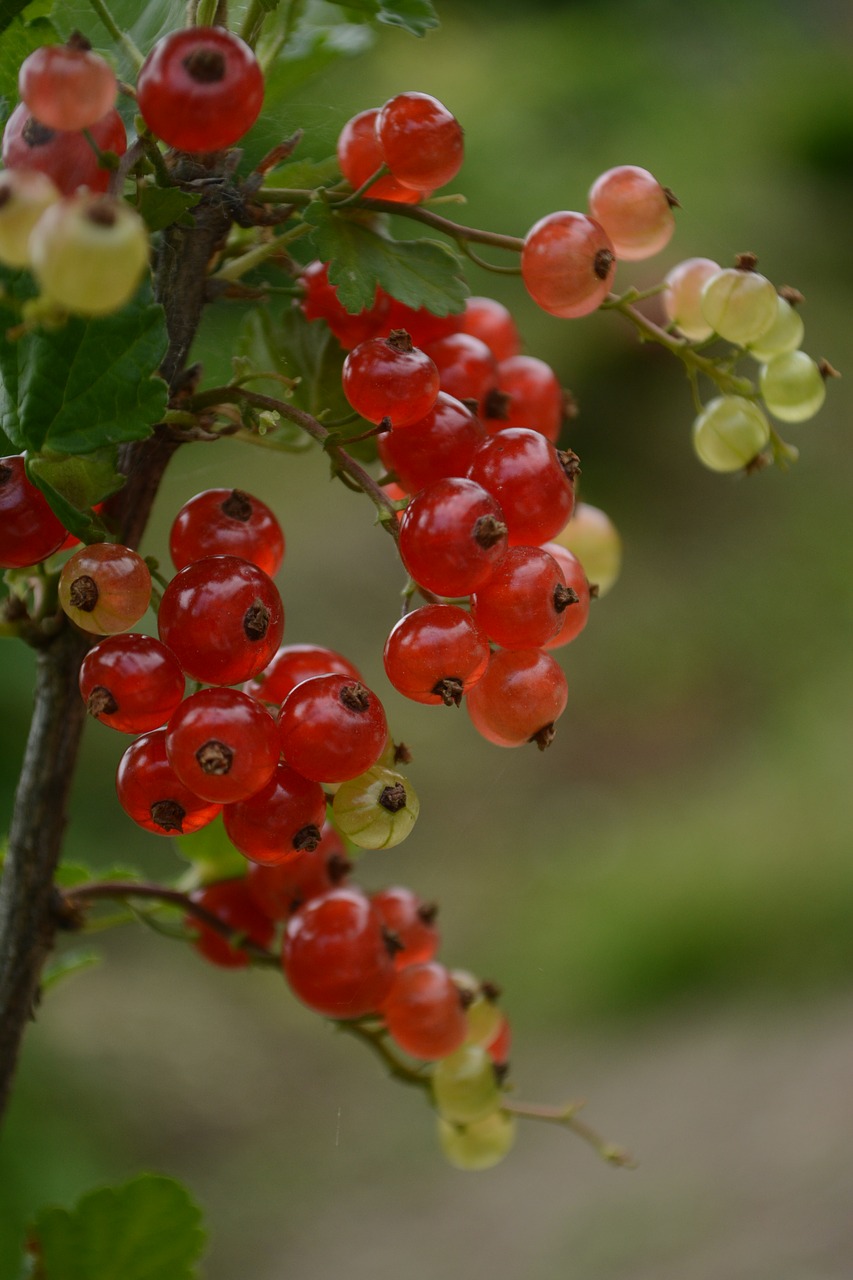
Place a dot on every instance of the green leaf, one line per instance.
(307, 174)
(162, 206)
(292, 346)
(74, 484)
(211, 853)
(66, 965)
(147, 1229)
(420, 273)
(69, 874)
(416, 16)
(20, 38)
(87, 384)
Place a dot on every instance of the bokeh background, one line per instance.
(666, 896)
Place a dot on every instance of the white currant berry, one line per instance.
(681, 297)
(479, 1145)
(785, 333)
(24, 196)
(793, 386)
(89, 253)
(729, 433)
(739, 305)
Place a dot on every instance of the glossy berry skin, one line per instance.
(376, 810)
(452, 536)
(436, 654)
(332, 728)
(390, 378)
(411, 921)
(222, 744)
(522, 604)
(320, 302)
(491, 322)
(294, 663)
(479, 1145)
(284, 887)
(232, 903)
(131, 682)
(152, 794)
(635, 211)
(280, 820)
(223, 619)
(439, 445)
(420, 140)
(67, 86)
(518, 699)
(424, 1013)
(574, 617)
(24, 196)
(105, 588)
(227, 522)
(29, 531)
(335, 956)
(533, 397)
(466, 367)
(682, 296)
(66, 158)
(89, 253)
(422, 326)
(567, 264)
(359, 156)
(532, 482)
(200, 89)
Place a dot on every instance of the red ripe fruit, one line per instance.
(227, 522)
(335, 956)
(424, 1013)
(131, 682)
(29, 531)
(420, 140)
(200, 89)
(634, 210)
(332, 728)
(575, 615)
(223, 619)
(67, 158)
(518, 699)
(222, 744)
(67, 86)
(533, 483)
(232, 903)
(284, 887)
(452, 536)
(530, 396)
(412, 923)
(280, 820)
(439, 445)
(105, 588)
(152, 794)
(567, 264)
(390, 378)
(422, 326)
(466, 367)
(359, 156)
(320, 302)
(491, 322)
(436, 654)
(522, 604)
(291, 665)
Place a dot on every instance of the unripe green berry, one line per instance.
(464, 1085)
(89, 253)
(729, 433)
(377, 809)
(479, 1145)
(792, 386)
(785, 333)
(24, 196)
(739, 305)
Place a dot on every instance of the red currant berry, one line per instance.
(131, 682)
(29, 531)
(220, 522)
(336, 958)
(436, 654)
(518, 699)
(424, 1012)
(411, 921)
(422, 326)
(491, 322)
(452, 536)
(67, 158)
(575, 615)
(498, 1048)
(279, 821)
(420, 140)
(439, 445)
(105, 588)
(634, 210)
(320, 302)
(291, 665)
(466, 367)
(533, 483)
(567, 264)
(284, 887)
(152, 794)
(67, 86)
(222, 744)
(223, 619)
(332, 728)
(522, 604)
(231, 902)
(359, 157)
(390, 378)
(529, 395)
(200, 89)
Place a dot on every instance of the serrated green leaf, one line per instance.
(74, 484)
(161, 206)
(306, 174)
(420, 273)
(211, 853)
(66, 965)
(147, 1229)
(86, 385)
(415, 16)
(20, 38)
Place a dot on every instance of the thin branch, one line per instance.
(120, 37)
(567, 1117)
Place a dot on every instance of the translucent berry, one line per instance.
(529, 395)
(466, 367)
(785, 333)
(439, 445)
(24, 196)
(68, 159)
(491, 322)
(479, 1145)
(29, 531)
(281, 888)
(452, 535)
(683, 293)
(464, 1085)
(376, 810)
(420, 140)
(231, 902)
(152, 794)
(523, 603)
(567, 264)
(360, 155)
(390, 378)
(729, 433)
(89, 253)
(220, 522)
(424, 1012)
(332, 728)
(320, 302)
(738, 304)
(435, 654)
(131, 682)
(67, 86)
(575, 615)
(793, 386)
(336, 957)
(634, 210)
(412, 922)
(519, 698)
(294, 663)
(105, 588)
(222, 744)
(279, 821)
(532, 481)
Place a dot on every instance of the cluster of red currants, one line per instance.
(402, 151)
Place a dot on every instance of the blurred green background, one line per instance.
(666, 896)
